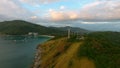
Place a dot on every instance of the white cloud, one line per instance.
(40, 1)
(11, 9)
(97, 11)
(62, 7)
(88, 22)
(94, 22)
(50, 10)
(101, 10)
(34, 17)
(62, 15)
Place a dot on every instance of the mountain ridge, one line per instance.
(73, 29)
(20, 27)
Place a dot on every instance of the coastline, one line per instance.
(28, 35)
(39, 52)
(47, 36)
(37, 59)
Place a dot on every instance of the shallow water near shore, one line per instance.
(18, 51)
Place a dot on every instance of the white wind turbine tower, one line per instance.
(69, 31)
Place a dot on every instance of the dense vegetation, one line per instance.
(103, 48)
(18, 27)
(76, 30)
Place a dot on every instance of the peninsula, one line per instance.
(96, 50)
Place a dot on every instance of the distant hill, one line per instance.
(96, 50)
(73, 29)
(19, 27)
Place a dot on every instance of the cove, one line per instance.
(18, 51)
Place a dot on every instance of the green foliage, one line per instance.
(18, 27)
(73, 38)
(103, 48)
(76, 30)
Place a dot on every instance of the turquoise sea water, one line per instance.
(18, 51)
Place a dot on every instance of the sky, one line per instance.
(88, 14)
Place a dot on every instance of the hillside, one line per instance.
(96, 50)
(73, 29)
(19, 27)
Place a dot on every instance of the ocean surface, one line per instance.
(18, 51)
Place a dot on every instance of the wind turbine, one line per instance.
(69, 31)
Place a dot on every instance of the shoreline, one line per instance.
(31, 35)
(47, 36)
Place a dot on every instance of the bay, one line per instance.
(18, 51)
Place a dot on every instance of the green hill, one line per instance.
(19, 27)
(96, 50)
(103, 48)
(73, 29)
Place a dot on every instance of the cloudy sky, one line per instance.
(90, 14)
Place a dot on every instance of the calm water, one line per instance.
(18, 51)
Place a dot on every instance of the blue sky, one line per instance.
(71, 4)
(43, 7)
(80, 13)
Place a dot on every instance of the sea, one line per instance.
(19, 51)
